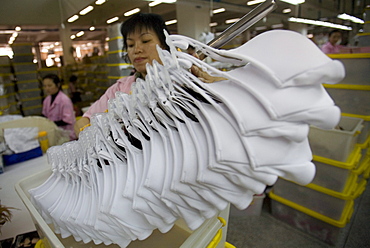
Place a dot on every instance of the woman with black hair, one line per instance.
(57, 106)
(141, 34)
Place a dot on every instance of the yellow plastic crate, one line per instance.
(366, 162)
(336, 144)
(310, 222)
(318, 199)
(364, 137)
(336, 175)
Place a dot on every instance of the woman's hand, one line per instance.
(80, 124)
(202, 75)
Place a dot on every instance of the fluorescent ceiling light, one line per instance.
(15, 34)
(100, 2)
(354, 19)
(6, 31)
(114, 19)
(215, 11)
(261, 28)
(157, 2)
(73, 18)
(171, 22)
(255, 2)
(319, 23)
(294, 2)
(18, 28)
(232, 20)
(213, 24)
(288, 10)
(131, 12)
(279, 25)
(79, 34)
(92, 28)
(86, 10)
(73, 36)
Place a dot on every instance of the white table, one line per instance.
(21, 221)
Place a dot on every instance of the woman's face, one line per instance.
(49, 86)
(141, 49)
(335, 37)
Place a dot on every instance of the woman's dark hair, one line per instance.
(142, 21)
(73, 78)
(334, 31)
(56, 80)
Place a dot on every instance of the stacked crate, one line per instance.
(28, 85)
(84, 72)
(8, 103)
(118, 67)
(324, 207)
(100, 75)
(352, 95)
(50, 70)
(341, 156)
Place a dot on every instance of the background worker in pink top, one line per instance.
(333, 44)
(141, 34)
(57, 106)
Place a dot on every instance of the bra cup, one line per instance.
(190, 197)
(191, 216)
(179, 184)
(206, 210)
(283, 53)
(210, 177)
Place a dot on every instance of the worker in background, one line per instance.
(141, 34)
(73, 90)
(333, 43)
(75, 94)
(57, 106)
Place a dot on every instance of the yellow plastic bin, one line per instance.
(336, 144)
(336, 175)
(212, 234)
(311, 222)
(366, 162)
(364, 137)
(319, 199)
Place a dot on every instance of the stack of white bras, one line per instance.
(180, 148)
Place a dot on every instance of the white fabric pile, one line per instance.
(179, 148)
